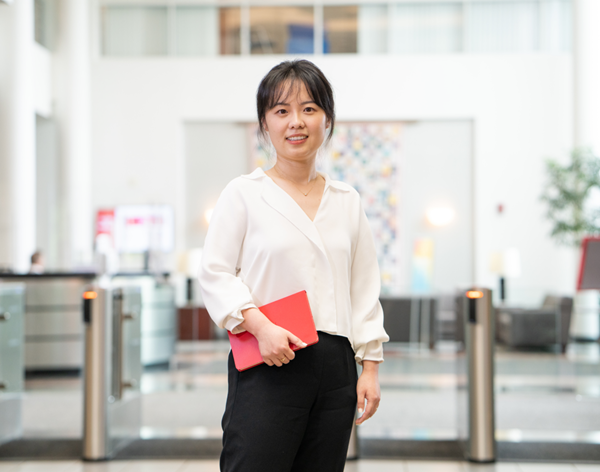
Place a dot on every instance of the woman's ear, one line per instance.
(264, 125)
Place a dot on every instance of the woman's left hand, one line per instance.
(367, 389)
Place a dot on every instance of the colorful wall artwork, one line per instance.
(422, 266)
(366, 156)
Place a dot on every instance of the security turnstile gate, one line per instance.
(112, 370)
(477, 408)
(12, 302)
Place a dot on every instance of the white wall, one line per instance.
(435, 170)
(49, 199)
(215, 153)
(520, 106)
(42, 76)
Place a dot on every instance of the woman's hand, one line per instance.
(367, 389)
(274, 344)
(273, 341)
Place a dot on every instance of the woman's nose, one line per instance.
(296, 121)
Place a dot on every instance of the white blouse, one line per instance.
(261, 247)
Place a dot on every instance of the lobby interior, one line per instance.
(461, 123)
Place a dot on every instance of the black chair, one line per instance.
(411, 319)
(517, 327)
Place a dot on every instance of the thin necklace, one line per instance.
(297, 188)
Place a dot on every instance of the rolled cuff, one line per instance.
(236, 318)
(372, 351)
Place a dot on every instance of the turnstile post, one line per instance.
(112, 363)
(479, 341)
(96, 316)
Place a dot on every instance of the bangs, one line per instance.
(286, 89)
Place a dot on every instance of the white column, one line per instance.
(73, 110)
(17, 135)
(5, 62)
(586, 73)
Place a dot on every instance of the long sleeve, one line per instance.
(367, 315)
(224, 294)
(261, 247)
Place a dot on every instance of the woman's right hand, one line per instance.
(274, 344)
(273, 341)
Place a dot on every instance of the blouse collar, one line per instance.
(259, 173)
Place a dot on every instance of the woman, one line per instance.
(276, 233)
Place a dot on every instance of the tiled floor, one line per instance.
(359, 466)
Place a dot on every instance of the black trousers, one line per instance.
(294, 418)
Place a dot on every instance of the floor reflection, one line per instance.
(540, 395)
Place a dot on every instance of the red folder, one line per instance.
(291, 313)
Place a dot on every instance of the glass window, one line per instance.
(196, 31)
(429, 28)
(555, 22)
(230, 24)
(135, 31)
(282, 30)
(340, 29)
(503, 27)
(372, 29)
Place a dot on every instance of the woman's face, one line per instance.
(297, 127)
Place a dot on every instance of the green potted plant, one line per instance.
(572, 196)
(567, 195)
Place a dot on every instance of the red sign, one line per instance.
(589, 267)
(105, 223)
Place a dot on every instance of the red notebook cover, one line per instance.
(291, 313)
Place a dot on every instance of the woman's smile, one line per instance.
(297, 139)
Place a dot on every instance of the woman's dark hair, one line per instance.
(293, 73)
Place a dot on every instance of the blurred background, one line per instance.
(471, 128)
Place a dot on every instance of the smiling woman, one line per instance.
(297, 126)
(276, 233)
(295, 78)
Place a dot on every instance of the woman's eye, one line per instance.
(282, 111)
(309, 109)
